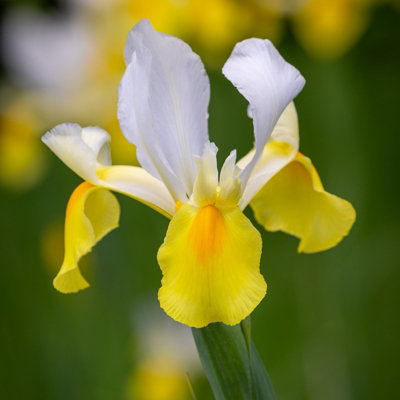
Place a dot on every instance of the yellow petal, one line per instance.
(294, 201)
(210, 263)
(92, 212)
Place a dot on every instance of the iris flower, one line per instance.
(210, 257)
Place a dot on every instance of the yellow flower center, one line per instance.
(208, 233)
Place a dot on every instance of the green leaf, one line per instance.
(262, 385)
(232, 364)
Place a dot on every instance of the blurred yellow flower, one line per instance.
(211, 26)
(325, 28)
(214, 26)
(22, 159)
(328, 29)
(158, 381)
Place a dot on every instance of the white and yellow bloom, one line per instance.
(211, 253)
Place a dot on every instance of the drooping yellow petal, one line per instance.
(92, 212)
(210, 263)
(294, 201)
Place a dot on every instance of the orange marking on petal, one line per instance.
(178, 205)
(77, 195)
(208, 233)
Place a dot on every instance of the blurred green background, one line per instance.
(329, 326)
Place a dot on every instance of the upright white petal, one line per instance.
(136, 119)
(268, 82)
(229, 182)
(206, 182)
(162, 108)
(86, 151)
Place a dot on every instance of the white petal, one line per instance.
(86, 151)
(136, 118)
(79, 148)
(139, 184)
(229, 182)
(163, 103)
(268, 82)
(98, 140)
(280, 149)
(206, 182)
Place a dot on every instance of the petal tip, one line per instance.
(70, 281)
(175, 312)
(348, 219)
(60, 130)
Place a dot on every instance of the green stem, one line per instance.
(231, 362)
